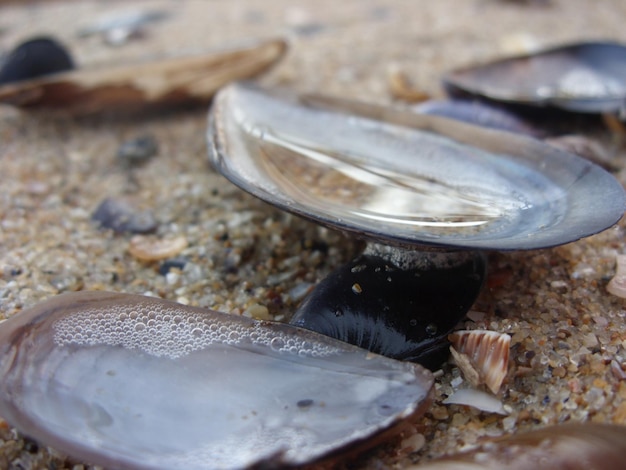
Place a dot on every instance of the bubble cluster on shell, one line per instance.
(165, 331)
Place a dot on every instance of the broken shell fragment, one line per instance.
(483, 401)
(127, 381)
(149, 249)
(487, 353)
(586, 77)
(168, 81)
(617, 285)
(588, 446)
(399, 177)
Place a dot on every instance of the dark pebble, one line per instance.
(139, 150)
(172, 263)
(30, 446)
(121, 216)
(35, 58)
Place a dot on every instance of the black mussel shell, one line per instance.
(588, 77)
(35, 58)
(404, 314)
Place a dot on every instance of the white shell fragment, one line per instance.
(482, 356)
(478, 399)
(617, 285)
(404, 178)
(126, 381)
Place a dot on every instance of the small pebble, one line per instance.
(258, 312)
(413, 443)
(120, 216)
(150, 249)
(173, 263)
(138, 150)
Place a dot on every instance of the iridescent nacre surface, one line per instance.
(127, 381)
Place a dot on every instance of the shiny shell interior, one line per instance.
(583, 77)
(404, 178)
(126, 381)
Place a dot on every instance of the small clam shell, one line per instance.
(126, 381)
(487, 353)
(583, 77)
(565, 447)
(404, 178)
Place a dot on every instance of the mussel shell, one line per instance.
(573, 446)
(405, 314)
(34, 58)
(126, 381)
(165, 82)
(432, 181)
(588, 77)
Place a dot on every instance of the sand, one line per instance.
(245, 257)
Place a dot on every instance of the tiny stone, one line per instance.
(299, 291)
(138, 150)
(172, 263)
(120, 216)
(620, 414)
(590, 340)
(413, 443)
(440, 413)
(617, 370)
(172, 277)
(508, 423)
(258, 311)
(459, 419)
(455, 382)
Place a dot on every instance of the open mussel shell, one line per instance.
(167, 81)
(588, 77)
(403, 178)
(127, 381)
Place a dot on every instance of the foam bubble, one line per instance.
(165, 329)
